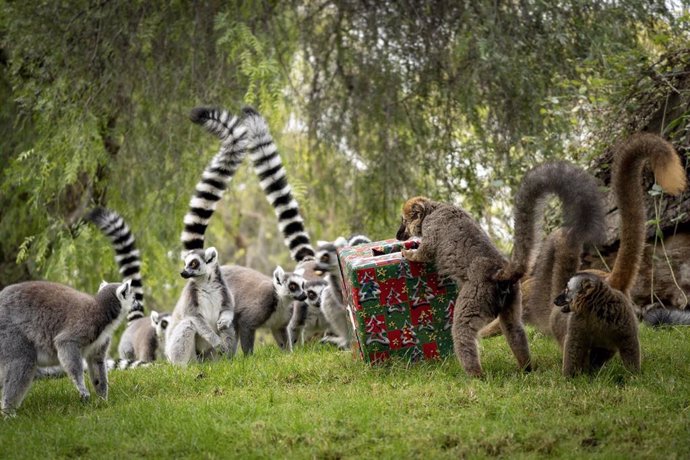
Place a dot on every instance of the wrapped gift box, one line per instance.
(397, 307)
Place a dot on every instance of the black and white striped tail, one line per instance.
(122, 364)
(269, 167)
(658, 317)
(358, 239)
(127, 255)
(216, 177)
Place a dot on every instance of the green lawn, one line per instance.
(318, 402)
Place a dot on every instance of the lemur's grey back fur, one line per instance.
(262, 301)
(44, 323)
(269, 168)
(127, 255)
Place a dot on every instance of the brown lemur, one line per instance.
(597, 319)
(489, 284)
(558, 256)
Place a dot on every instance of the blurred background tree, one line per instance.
(370, 102)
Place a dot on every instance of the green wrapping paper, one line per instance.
(397, 307)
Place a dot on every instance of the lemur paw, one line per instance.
(509, 273)
(224, 324)
(413, 255)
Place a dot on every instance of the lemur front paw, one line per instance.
(413, 255)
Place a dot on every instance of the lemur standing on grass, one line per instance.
(44, 323)
(597, 318)
(201, 322)
(138, 343)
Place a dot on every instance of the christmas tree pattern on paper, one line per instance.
(376, 330)
(369, 289)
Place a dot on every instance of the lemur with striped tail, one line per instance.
(138, 343)
(141, 340)
(201, 323)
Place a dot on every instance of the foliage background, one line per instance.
(370, 102)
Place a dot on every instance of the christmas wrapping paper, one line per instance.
(397, 307)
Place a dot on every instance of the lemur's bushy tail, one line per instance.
(269, 167)
(658, 317)
(127, 255)
(218, 173)
(583, 208)
(626, 183)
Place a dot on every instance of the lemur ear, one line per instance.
(154, 317)
(418, 209)
(278, 273)
(102, 285)
(340, 242)
(123, 290)
(210, 255)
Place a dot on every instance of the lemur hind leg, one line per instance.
(17, 374)
(468, 319)
(598, 357)
(510, 320)
(630, 354)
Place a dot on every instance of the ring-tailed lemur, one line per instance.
(332, 303)
(308, 319)
(144, 338)
(268, 166)
(44, 323)
(262, 302)
(201, 321)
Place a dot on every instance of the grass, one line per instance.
(320, 403)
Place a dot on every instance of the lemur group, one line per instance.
(49, 328)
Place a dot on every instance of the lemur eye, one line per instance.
(194, 264)
(312, 295)
(325, 258)
(292, 286)
(164, 324)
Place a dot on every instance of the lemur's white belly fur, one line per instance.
(210, 304)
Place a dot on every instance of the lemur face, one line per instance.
(288, 284)
(326, 258)
(160, 322)
(413, 213)
(314, 289)
(199, 262)
(579, 285)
